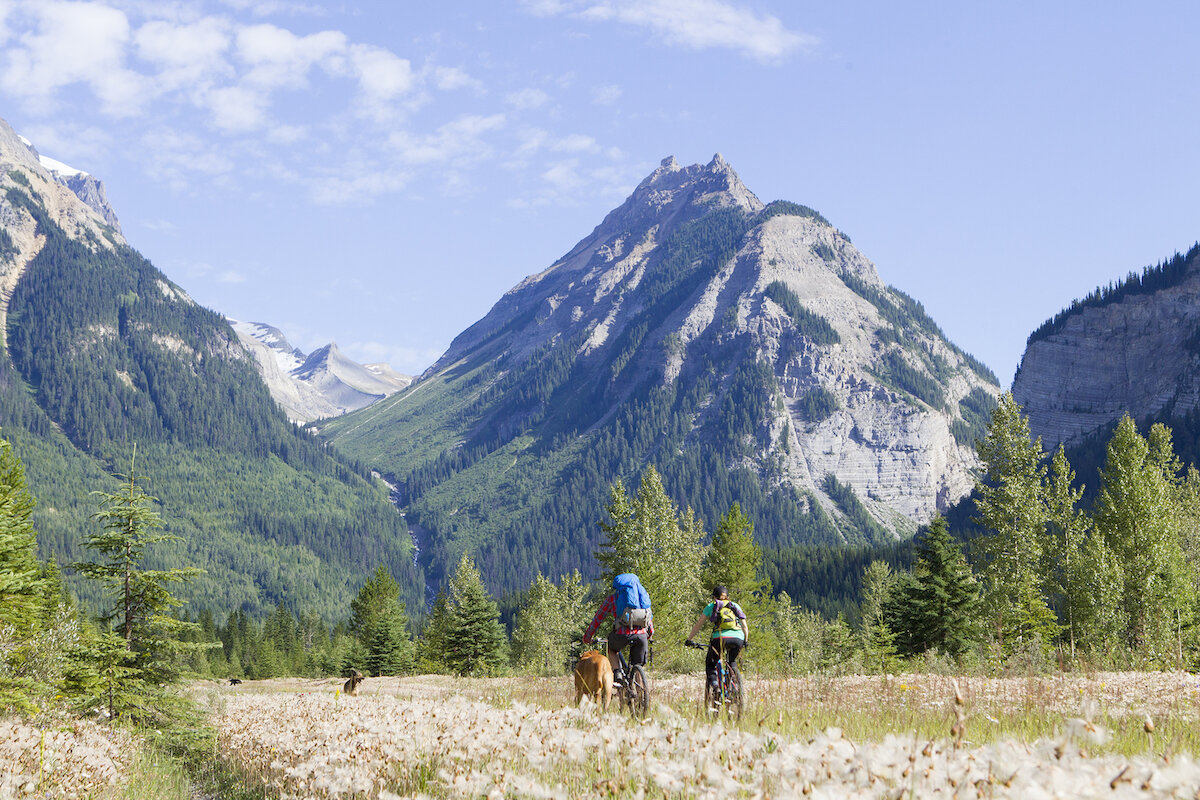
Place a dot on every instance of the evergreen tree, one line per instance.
(23, 588)
(936, 605)
(1137, 514)
(434, 646)
(799, 633)
(379, 620)
(476, 641)
(1012, 504)
(142, 600)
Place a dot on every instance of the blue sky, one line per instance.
(379, 173)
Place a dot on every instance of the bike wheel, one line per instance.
(733, 692)
(639, 692)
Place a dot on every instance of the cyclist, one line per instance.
(634, 631)
(730, 633)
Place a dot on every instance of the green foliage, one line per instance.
(379, 620)
(1164, 275)
(106, 351)
(647, 535)
(551, 617)
(809, 324)
(21, 585)
(861, 521)
(895, 371)
(878, 639)
(475, 639)
(784, 207)
(1011, 502)
(1137, 515)
(8, 247)
(818, 404)
(975, 413)
(141, 597)
(934, 606)
(20, 177)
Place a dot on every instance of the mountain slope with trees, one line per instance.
(747, 351)
(103, 354)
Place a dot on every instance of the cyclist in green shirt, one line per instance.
(730, 633)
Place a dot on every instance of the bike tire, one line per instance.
(639, 692)
(733, 692)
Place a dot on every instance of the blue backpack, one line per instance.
(632, 601)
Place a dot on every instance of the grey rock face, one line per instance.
(91, 191)
(896, 450)
(322, 384)
(1137, 356)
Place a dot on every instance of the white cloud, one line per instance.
(175, 157)
(74, 43)
(451, 78)
(460, 141)
(279, 58)
(528, 98)
(237, 109)
(576, 143)
(230, 276)
(357, 189)
(606, 95)
(188, 54)
(697, 24)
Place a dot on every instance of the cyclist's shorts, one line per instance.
(637, 643)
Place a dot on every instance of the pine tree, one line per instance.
(434, 646)
(937, 604)
(23, 588)
(142, 600)
(379, 620)
(1012, 503)
(476, 641)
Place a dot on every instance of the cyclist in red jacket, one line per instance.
(630, 628)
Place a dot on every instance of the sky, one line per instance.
(379, 173)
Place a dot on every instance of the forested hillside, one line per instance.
(105, 354)
(747, 351)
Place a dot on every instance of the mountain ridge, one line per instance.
(656, 339)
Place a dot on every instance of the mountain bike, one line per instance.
(726, 697)
(633, 692)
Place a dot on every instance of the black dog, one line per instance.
(235, 681)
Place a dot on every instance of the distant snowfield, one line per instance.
(441, 737)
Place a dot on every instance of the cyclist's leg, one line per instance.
(711, 658)
(638, 648)
(616, 643)
(733, 648)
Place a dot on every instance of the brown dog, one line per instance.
(594, 677)
(351, 687)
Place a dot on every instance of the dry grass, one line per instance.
(433, 736)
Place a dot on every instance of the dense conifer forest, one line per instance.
(106, 354)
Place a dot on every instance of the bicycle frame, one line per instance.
(634, 692)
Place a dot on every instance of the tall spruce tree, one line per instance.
(476, 644)
(380, 621)
(1069, 528)
(1012, 504)
(142, 599)
(878, 638)
(936, 607)
(23, 602)
(734, 560)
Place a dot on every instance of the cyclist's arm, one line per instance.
(606, 608)
(696, 628)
